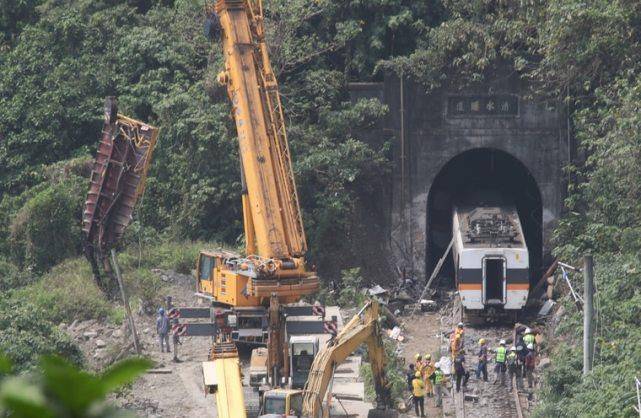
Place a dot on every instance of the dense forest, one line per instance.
(60, 58)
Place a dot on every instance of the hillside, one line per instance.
(60, 58)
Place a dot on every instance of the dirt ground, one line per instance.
(422, 332)
(178, 393)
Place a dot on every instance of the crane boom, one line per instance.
(274, 228)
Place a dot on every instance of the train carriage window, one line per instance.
(494, 278)
(206, 266)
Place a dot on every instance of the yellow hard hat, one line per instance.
(482, 341)
(417, 374)
(428, 356)
(417, 356)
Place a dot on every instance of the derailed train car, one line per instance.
(490, 261)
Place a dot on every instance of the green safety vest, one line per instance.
(528, 339)
(500, 355)
(438, 377)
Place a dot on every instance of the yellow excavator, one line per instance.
(222, 375)
(314, 401)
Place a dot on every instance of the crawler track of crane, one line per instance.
(489, 399)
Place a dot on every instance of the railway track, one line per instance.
(485, 399)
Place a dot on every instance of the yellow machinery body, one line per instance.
(283, 402)
(222, 377)
(275, 238)
(231, 280)
(363, 328)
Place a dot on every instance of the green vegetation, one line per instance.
(59, 389)
(26, 332)
(394, 373)
(154, 57)
(30, 313)
(59, 58)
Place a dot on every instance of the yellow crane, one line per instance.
(274, 263)
(273, 271)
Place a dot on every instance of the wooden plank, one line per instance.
(159, 371)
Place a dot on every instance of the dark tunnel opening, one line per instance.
(472, 175)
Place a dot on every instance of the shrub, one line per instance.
(610, 385)
(394, 372)
(145, 285)
(61, 390)
(178, 256)
(27, 331)
(46, 229)
(11, 277)
(68, 292)
(350, 293)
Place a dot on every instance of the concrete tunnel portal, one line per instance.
(471, 176)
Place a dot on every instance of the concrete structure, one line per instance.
(452, 143)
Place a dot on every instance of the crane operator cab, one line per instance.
(303, 349)
(282, 403)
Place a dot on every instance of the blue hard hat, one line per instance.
(161, 311)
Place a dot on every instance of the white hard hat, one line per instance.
(530, 346)
(502, 342)
(528, 330)
(461, 325)
(512, 348)
(437, 365)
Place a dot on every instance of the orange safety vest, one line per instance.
(428, 369)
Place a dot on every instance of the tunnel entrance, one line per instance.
(477, 173)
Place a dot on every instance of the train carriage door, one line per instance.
(494, 287)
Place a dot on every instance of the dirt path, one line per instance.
(423, 330)
(178, 393)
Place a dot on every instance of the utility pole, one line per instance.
(125, 301)
(588, 313)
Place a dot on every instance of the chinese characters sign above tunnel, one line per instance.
(495, 105)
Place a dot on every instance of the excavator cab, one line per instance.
(302, 349)
(282, 403)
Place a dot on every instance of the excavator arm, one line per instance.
(364, 328)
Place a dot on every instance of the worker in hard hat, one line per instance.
(418, 363)
(499, 359)
(428, 370)
(481, 368)
(456, 339)
(512, 364)
(438, 381)
(530, 364)
(459, 370)
(529, 337)
(418, 394)
(162, 329)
